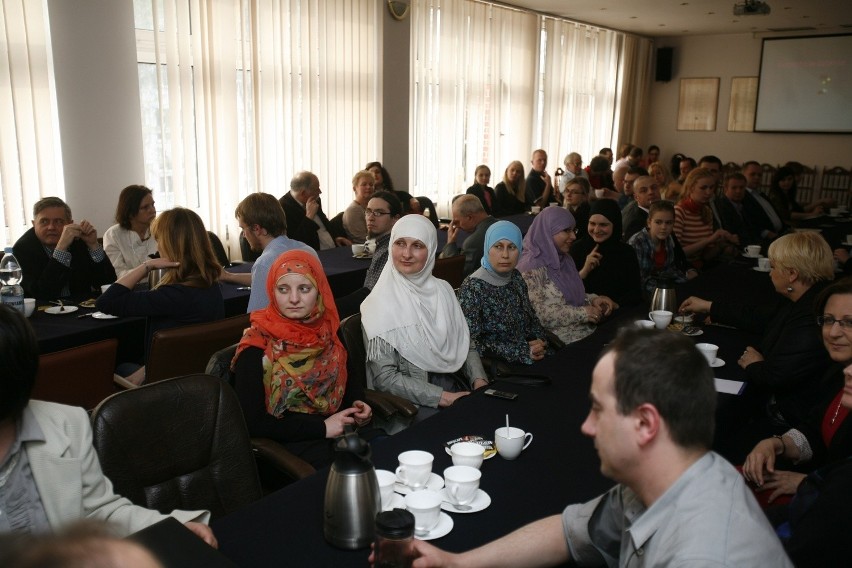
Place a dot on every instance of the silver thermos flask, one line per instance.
(664, 297)
(352, 498)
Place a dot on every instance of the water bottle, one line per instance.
(10, 277)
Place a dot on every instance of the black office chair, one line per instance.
(218, 249)
(177, 444)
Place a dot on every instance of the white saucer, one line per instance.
(57, 310)
(683, 319)
(750, 256)
(695, 333)
(759, 269)
(435, 483)
(443, 528)
(717, 363)
(103, 316)
(397, 502)
(480, 502)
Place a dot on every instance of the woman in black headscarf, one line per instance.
(609, 266)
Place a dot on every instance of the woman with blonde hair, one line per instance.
(662, 176)
(790, 356)
(187, 293)
(511, 193)
(693, 225)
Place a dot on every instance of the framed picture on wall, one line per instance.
(697, 104)
(742, 105)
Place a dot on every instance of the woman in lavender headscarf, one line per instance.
(555, 288)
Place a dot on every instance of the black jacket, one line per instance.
(301, 228)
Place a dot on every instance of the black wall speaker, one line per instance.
(664, 64)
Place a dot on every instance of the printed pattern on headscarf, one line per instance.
(540, 250)
(304, 362)
(417, 315)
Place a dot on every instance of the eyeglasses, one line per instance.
(828, 321)
(576, 193)
(375, 213)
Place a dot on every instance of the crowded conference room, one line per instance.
(405, 283)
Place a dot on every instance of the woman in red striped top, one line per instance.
(693, 224)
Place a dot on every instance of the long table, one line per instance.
(559, 467)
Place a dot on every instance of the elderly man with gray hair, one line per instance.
(468, 215)
(306, 221)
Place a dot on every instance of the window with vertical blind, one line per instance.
(30, 160)
(493, 83)
(240, 95)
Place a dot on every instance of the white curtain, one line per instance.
(473, 92)
(30, 161)
(250, 92)
(578, 90)
(634, 87)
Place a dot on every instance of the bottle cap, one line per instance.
(396, 523)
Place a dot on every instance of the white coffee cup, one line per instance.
(763, 263)
(29, 306)
(599, 193)
(467, 453)
(462, 483)
(709, 351)
(426, 508)
(414, 469)
(644, 324)
(105, 287)
(752, 250)
(535, 209)
(661, 318)
(511, 442)
(386, 480)
(358, 249)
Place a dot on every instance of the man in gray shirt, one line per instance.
(676, 504)
(468, 215)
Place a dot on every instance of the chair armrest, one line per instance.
(379, 404)
(281, 458)
(403, 406)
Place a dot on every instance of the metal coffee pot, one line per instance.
(664, 297)
(352, 498)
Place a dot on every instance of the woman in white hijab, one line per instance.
(415, 331)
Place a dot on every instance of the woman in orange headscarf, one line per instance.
(291, 367)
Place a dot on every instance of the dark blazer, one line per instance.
(44, 277)
(508, 204)
(301, 228)
(581, 216)
(754, 211)
(794, 356)
(480, 191)
(744, 226)
(633, 219)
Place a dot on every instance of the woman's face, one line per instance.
(702, 191)
(780, 277)
(838, 340)
(600, 228)
(653, 156)
(409, 255)
(503, 256)
(563, 240)
(377, 173)
(659, 176)
(296, 296)
(786, 183)
(363, 189)
(575, 194)
(146, 212)
(483, 176)
(514, 173)
(660, 225)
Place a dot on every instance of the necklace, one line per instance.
(836, 411)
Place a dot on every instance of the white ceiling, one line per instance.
(681, 17)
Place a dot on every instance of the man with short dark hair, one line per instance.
(634, 216)
(730, 210)
(383, 211)
(59, 257)
(306, 221)
(468, 215)
(264, 227)
(676, 504)
(757, 206)
(714, 165)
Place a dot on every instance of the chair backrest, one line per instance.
(80, 376)
(218, 249)
(450, 269)
(177, 444)
(353, 340)
(185, 350)
(336, 225)
(766, 176)
(836, 183)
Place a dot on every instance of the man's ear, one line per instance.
(648, 423)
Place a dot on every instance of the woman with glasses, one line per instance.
(826, 434)
(576, 199)
(782, 369)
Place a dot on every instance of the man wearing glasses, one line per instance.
(383, 210)
(468, 215)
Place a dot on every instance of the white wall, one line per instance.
(729, 56)
(97, 92)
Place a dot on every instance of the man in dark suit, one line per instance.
(306, 221)
(758, 207)
(732, 213)
(634, 216)
(59, 257)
